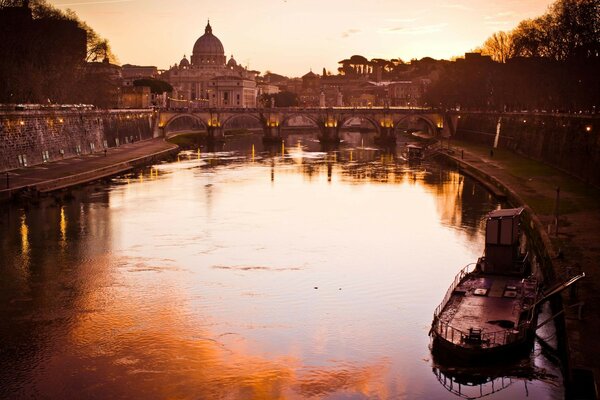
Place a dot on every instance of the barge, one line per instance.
(490, 309)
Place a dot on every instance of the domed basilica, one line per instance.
(209, 80)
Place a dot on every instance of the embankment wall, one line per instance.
(34, 137)
(568, 142)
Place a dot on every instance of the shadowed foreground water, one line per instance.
(244, 273)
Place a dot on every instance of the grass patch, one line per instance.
(576, 195)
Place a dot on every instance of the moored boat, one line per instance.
(490, 307)
(414, 153)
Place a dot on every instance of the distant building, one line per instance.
(209, 80)
(310, 94)
(136, 97)
(408, 93)
(131, 73)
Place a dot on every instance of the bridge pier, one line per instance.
(386, 136)
(329, 135)
(272, 133)
(215, 134)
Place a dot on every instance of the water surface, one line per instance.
(281, 273)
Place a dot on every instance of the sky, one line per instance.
(290, 37)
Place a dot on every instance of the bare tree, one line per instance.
(498, 46)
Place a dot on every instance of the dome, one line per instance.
(208, 49)
(232, 63)
(184, 62)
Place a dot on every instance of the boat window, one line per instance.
(506, 231)
(491, 235)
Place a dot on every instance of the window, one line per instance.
(117, 142)
(22, 160)
(78, 149)
(105, 143)
(45, 156)
(506, 231)
(92, 147)
(491, 234)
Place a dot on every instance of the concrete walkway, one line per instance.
(576, 242)
(73, 171)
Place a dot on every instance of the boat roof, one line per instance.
(506, 212)
(413, 146)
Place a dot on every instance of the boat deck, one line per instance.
(489, 304)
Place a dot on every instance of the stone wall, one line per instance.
(34, 137)
(568, 142)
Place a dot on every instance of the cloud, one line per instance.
(350, 32)
(499, 19)
(457, 6)
(403, 20)
(499, 15)
(417, 30)
(498, 23)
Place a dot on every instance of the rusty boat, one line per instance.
(490, 308)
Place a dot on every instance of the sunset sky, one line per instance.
(291, 36)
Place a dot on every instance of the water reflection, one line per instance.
(255, 271)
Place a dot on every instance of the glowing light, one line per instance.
(588, 128)
(21, 123)
(63, 227)
(25, 247)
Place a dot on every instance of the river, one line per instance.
(247, 273)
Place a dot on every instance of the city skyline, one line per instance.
(279, 36)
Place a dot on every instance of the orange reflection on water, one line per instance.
(153, 348)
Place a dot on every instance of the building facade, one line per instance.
(209, 80)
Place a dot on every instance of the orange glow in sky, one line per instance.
(291, 36)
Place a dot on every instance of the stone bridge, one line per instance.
(328, 121)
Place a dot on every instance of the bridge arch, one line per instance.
(253, 116)
(177, 117)
(430, 124)
(312, 118)
(371, 120)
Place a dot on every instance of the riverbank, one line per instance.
(571, 245)
(74, 171)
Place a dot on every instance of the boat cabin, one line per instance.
(414, 152)
(502, 243)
